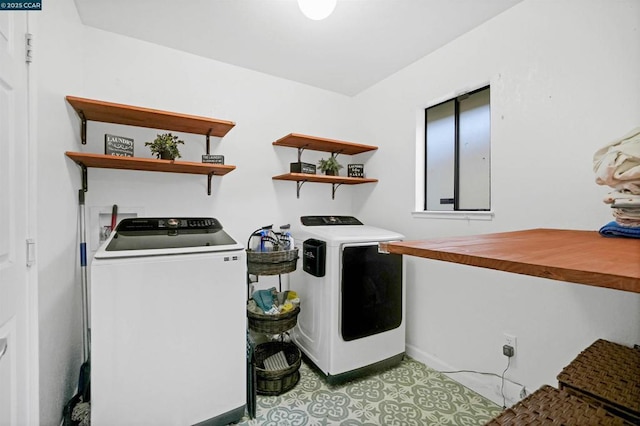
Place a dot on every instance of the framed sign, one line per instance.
(118, 146)
(355, 170)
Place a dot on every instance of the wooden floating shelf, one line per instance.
(335, 181)
(148, 164)
(108, 112)
(295, 140)
(303, 177)
(583, 257)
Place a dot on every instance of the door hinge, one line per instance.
(28, 42)
(3, 347)
(31, 251)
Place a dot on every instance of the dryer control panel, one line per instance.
(329, 220)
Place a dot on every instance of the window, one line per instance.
(457, 154)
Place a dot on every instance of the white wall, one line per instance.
(76, 60)
(58, 69)
(564, 82)
(264, 109)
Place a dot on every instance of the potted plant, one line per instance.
(330, 166)
(165, 146)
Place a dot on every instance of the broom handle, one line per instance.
(83, 277)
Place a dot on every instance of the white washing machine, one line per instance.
(168, 328)
(352, 297)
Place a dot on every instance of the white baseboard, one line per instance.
(486, 385)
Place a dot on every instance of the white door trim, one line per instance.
(33, 405)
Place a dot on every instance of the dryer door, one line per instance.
(371, 289)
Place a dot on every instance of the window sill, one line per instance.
(457, 215)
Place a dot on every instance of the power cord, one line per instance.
(501, 376)
(504, 401)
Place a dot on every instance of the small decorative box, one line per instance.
(301, 167)
(215, 159)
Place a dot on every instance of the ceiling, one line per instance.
(360, 44)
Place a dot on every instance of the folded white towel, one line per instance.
(618, 164)
(631, 214)
(623, 195)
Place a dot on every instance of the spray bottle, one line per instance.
(286, 237)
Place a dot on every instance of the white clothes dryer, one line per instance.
(168, 327)
(352, 297)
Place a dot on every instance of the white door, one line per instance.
(14, 304)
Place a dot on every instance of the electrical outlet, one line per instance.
(508, 351)
(510, 340)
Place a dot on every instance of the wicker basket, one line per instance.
(549, 405)
(276, 382)
(273, 324)
(271, 262)
(607, 374)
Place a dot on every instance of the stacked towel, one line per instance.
(266, 300)
(618, 166)
(272, 302)
(612, 229)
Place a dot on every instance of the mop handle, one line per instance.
(83, 276)
(114, 216)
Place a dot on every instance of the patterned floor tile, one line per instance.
(408, 394)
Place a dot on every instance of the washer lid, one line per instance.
(153, 236)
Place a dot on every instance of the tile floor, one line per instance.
(408, 394)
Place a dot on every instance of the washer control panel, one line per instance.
(156, 224)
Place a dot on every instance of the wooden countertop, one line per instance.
(583, 257)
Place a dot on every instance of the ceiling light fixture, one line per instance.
(317, 9)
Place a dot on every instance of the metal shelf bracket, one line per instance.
(208, 142)
(299, 184)
(83, 127)
(209, 176)
(334, 186)
(300, 149)
(85, 185)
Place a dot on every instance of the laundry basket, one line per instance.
(271, 262)
(552, 406)
(606, 374)
(273, 324)
(278, 381)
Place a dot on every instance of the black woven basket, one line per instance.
(273, 324)
(606, 374)
(271, 262)
(551, 406)
(276, 382)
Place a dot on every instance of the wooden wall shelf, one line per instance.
(323, 179)
(109, 112)
(85, 160)
(296, 140)
(314, 143)
(148, 164)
